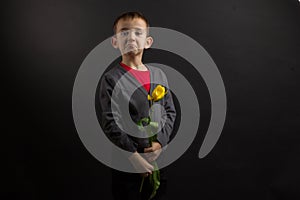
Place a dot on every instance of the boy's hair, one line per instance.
(130, 15)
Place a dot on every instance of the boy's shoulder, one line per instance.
(115, 72)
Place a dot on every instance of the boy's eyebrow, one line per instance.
(124, 29)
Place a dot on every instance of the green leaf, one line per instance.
(154, 180)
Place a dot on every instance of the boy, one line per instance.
(131, 38)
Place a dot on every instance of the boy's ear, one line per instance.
(149, 41)
(114, 42)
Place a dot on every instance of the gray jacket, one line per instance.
(112, 104)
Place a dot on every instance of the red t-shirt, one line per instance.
(142, 76)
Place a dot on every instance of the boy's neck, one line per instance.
(134, 62)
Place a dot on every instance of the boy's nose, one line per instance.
(131, 35)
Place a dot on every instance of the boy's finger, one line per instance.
(149, 149)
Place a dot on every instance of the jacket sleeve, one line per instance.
(108, 118)
(164, 134)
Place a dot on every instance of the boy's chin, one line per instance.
(134, 52)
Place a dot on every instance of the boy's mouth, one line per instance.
(131, 45)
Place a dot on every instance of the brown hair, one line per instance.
(129, 15)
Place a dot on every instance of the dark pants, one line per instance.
(126, 186)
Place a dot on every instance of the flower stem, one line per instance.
(141, 187)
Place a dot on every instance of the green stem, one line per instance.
(154, 178)
(142, 184)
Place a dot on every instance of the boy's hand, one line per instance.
(144, 174)
(140, 164)
(153, 152)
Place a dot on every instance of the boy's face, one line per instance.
(131, 36)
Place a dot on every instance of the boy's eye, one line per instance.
(124, 33)
(138, 33)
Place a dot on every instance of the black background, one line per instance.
(256, 46)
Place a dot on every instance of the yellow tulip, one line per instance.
(158, 93)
